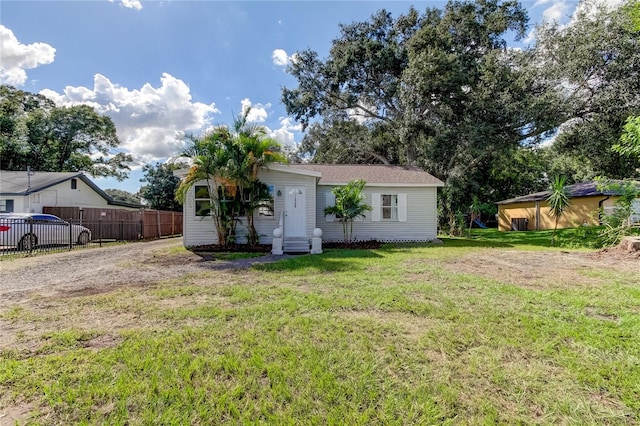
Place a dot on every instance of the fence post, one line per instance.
(100, 231)
(70, 234)
(159, 227)
(31, 235)
(121, 229)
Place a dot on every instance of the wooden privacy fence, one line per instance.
(120, 224)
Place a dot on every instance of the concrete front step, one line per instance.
(296, 245)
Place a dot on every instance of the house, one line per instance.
(29, 192)
(531, 212)
(404, 202)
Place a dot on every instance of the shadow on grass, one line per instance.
(332, 260)
(584, 237)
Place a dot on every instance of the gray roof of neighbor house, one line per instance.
(582, 189)
(374, 174)
(19, 183)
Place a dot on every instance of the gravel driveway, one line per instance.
(101, 269)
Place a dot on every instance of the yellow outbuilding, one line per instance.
(531, 212)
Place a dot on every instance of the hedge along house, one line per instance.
(404, 202)
(531, 212)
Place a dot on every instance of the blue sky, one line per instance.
(158, 68)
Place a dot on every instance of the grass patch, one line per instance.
(584, 237)
(397, 335)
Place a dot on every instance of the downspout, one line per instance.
(601, 209)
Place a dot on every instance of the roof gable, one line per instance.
(19, 183)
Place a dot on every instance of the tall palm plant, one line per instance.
(229, 160)
(210, 156)
(349, 206)
(257, 150)
(558, 201)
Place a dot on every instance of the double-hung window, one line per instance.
(267, 208)
(6, 206)
(389, 207)
(202, 200)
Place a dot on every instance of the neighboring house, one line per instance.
(404, 202)
(23, 192)
(531, 212)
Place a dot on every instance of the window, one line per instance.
(6, 206)
(203, 201)
(389, 205)
(74, 183)
(268, 210)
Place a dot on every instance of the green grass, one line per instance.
(397, 335)
(585, 237)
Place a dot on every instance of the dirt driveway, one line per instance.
(104, 269)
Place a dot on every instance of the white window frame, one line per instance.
(264, 212)
(4, 204)
(377, 214)
(198, 200)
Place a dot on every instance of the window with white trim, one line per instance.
(268, 210)
(389, 207)
(6, 206)
(202, 200)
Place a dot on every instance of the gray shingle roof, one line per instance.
(375, 174)
(582, 189)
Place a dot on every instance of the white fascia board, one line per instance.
(291, 169)
(181, 172)
(388, 185)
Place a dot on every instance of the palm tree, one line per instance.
(558, 201)
(210, 156)
(349, 206)
(256, 151)
(229, 160)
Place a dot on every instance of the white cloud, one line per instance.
(557, 11)
(18, 57)
(258, 113)
(281, 58)
(285, 137)
(286, 123)
(591, 9)
(147, 119)
(285, 134)
(130, 4)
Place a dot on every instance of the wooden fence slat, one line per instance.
(119, 224)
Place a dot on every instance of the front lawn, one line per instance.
(473, 331)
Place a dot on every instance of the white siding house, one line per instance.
(199, 230)
(23, 192)
(404, 202)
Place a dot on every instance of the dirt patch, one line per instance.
(532, 269)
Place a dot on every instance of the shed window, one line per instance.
(74, 183)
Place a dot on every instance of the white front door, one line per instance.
(295, 221)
